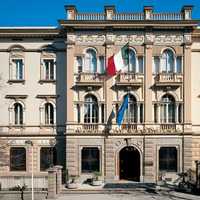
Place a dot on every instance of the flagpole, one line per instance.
(128, 92)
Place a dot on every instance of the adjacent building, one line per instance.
(56, 96)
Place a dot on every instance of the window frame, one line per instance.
(10, 159)
(176, 157)
(18, 117)
(47, 77)
(47, 115)
(53, 149)
(99, 162)
(91, 106)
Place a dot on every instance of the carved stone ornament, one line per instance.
(187, 38)
(149, 38)
(90, 39)
(132, 39)
(132, 142)
(71, 38)
(168, 39)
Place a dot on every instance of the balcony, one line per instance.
(129, 79)
(171, 128)
(89, 79)
(169, 79)
(85, 128)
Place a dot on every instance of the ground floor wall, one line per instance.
(10, 178)
(148, 150)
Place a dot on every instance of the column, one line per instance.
(59, 178)
(100, 119)
(167, 112)
(138, 113)
(69, 80)
(52, 183)
(81, 113)
(158, 113)
(176, 113)
(187, 84)
(148, 84)
(175, 65)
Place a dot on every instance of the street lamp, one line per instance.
(29, 143)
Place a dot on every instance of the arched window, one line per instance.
(18, 114)
(90, 61)
(91, 109)
(168, 109)
(132, 61)
(49, 113)
(131, 112)
(167, 61)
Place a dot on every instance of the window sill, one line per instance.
(47, 125)
(11, 81)
(17, 126)
(47, 81)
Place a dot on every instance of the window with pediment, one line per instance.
(48, 64)
(17, 58)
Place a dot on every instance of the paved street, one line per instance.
(135, 195)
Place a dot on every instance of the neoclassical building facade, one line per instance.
(56, 96)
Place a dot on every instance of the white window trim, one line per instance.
(13, 70)
(43, 69)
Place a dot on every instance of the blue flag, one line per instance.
(120, 114)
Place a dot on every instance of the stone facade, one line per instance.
(149, 35)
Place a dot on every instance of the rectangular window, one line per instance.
(168, 159)
(140, 65)
(102, 65)
(179, 64)
(102, 113)
(90, 160)
(156, 64)
(78, 113)
(47, 157)
(17, 159)
(49, 69)
(18, 69)
(79, 64)
(155, 113)
(141, 113)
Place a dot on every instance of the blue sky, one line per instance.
(47, 12)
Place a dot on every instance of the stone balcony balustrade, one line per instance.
(85, 79)
(130, 79)
(167, 79)
(124, 129)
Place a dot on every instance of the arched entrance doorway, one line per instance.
(129, 164)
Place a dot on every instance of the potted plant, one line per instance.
(73, 182)
(160, 181)
(96, 181)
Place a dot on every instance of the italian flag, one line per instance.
(118, 61)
